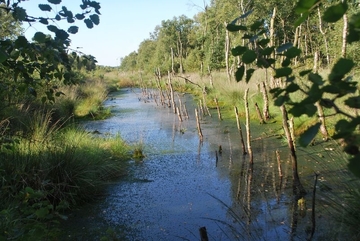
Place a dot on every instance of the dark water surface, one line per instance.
(182, 185)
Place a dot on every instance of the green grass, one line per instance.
(70, 168)
(48, 165)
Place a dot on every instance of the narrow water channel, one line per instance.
(183, 184)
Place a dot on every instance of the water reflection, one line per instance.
(183, 184)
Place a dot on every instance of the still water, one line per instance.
(183, 184)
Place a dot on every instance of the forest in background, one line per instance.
(202, 43)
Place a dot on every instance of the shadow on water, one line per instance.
(183, 184)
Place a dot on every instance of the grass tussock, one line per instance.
(48, 165)
(51, 171)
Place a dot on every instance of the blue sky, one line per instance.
(124, 24)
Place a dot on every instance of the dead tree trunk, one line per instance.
(272, 44)
(204, 100)
(171, 93)
(227, 53)
(218, 108)
(266, 112)
(320, 110)
(198, 125)
(248, 136)
(240, 131)
(323, 33)
(345, 31)
(259, 114)
(298, 188)
(210, 77)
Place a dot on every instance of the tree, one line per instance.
(129, 62)
(339, 84)
(38, 66)
(9, 28)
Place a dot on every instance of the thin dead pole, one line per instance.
(171, 93)
(298, 187)
(183, 110)
(179, 114)
(266, 112)
(198, 125)
(158, 83)
(240, 131)
(279, 163)
(218, 108)
(262, 121)
(203, 234)
(204, 100)
(248, 126)
(210, 77)
(202, 113)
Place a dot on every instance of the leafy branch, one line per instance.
(339, 83)
(41, 64)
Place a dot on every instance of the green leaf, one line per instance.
(19, 14)
(305, 72)
(234, 28)
(316, 79)
(238, 50)
(249, 56)
(39, 37)
(354, 29)
(3, 56)
(292, 88)
(44, 21)
(284, 47)
(61, 34)
(335, 12)
(268, 50)
(255, 26)
(309, 135)
(80, 16)
(327, 103)
(21, 42)
(52, 28)
(280, 100)
(330, 89)
(249, 73)
(300, 20)
(54, 1)
(293, 52)
(89, 23)
(42, 212)
(73, 29)
(239, 73)
(264, 42)
(343, 128)
(70, 20)
(45, 7)
(29, 190)
(340, 69)
(286, 62)
(58, 17)
(303, 6)
(286, 71)
(95, 19)
(353, 102)
(354, 165)
(276, 91)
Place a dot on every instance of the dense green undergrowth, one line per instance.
(49, 164)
